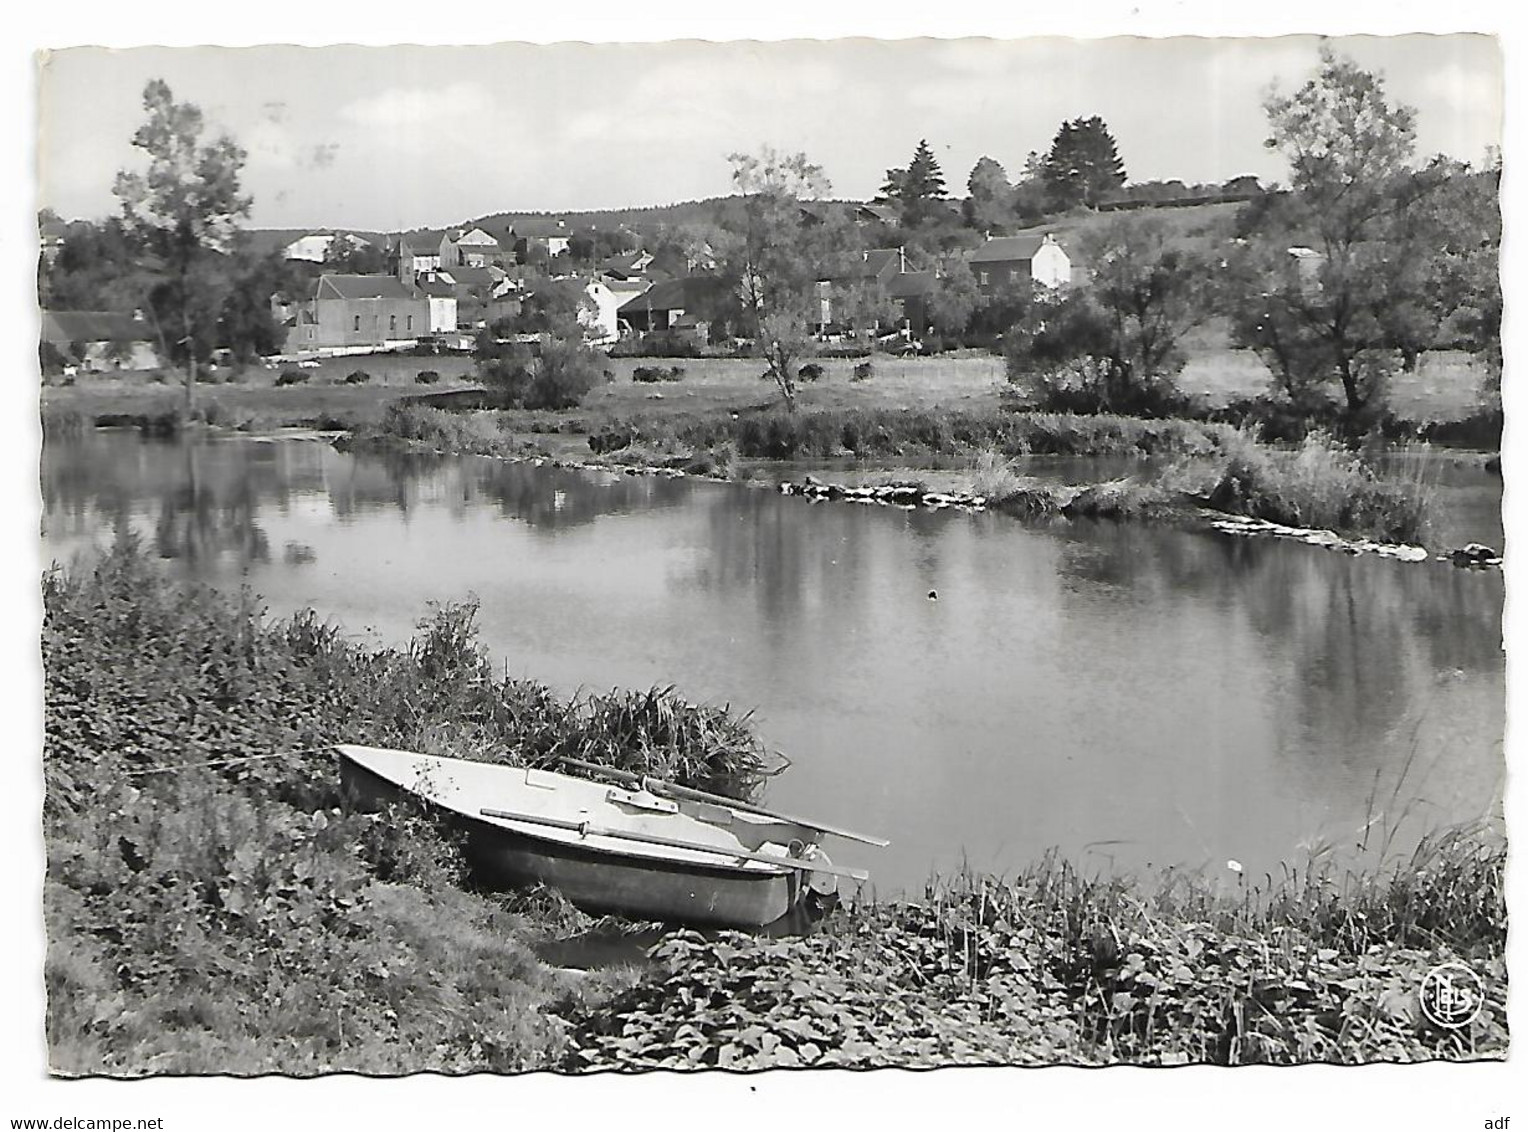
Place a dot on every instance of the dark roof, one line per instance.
(424, 242)
(435, 287)
(362, 287)
(472, 276)
(878, 261)
(682, 293)
(1008, 249)
(667, 294)
(51, 230)
(625, 265)
(911, 284)
(883, 212)
(93, 326)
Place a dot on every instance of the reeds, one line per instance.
(1321, 485)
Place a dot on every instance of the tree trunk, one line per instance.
(190, 346)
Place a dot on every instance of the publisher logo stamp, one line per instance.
(1451, 996)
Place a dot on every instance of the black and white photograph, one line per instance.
(760, 559)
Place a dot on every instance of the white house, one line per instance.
(1010, 259)
(468, 248)
(598, 313)
(315, 246)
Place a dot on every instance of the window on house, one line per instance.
(410, 323)
(982, 278)
(392, 324)
(358, 322)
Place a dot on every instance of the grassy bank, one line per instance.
(234, 918)
(1057, 967)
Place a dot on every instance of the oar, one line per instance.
(673, 789)
(585, 829)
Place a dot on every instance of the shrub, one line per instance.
(565, 373)
(863, 371)
(651, 374)
(1319, 485)
(658, 344)
(426, 377)
(357, 377)
(812, 371)
(292, 376)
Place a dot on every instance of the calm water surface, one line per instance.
(1128, 694)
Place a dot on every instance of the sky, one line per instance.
(385, 138)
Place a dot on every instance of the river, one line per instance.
(1132, 695)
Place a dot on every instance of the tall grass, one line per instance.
(1054, 965)
(1320, 484)
(994, 476)
(776, 434)
(212, 912)
(477, 433)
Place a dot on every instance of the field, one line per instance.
(1444, 387)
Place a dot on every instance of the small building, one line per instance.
(1308, 264)
(626, 266)
(599, 314)
(314, 247)
(416, 252)
(470, 247)
(1006, 260)
(877, 268)
(100, 341)
(911, 291)
(51, 235)
(441, 297)
(549, 234)
(878, 212)
(476, 289)
(689, 299)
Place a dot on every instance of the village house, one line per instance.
(911, 291)
(476, 290)
(314, 247)
(877, 212)
(599, 314)
(471, 247)
(877, 268)
(626, 266)
(548, 234)
(1006, 260)
(685, 304)
(358, 313)
(97, 341)
(51, 235)
(416, 252)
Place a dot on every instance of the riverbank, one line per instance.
(931, 415)
(232, 918)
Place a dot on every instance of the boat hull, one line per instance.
(638, 885)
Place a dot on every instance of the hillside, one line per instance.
(1198, 223)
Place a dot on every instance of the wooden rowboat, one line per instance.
(646, 848)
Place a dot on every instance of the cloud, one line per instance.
(1466, 92)
(418, 106)
(269, 145)
(322, 155)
